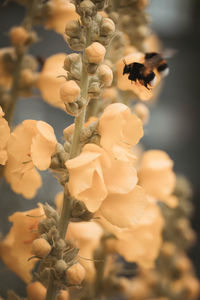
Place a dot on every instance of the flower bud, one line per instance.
(69, 91)
(41, 248)
(18, 36)
(105, 75)
(142, 112)
(87, 8)
(60, 266)
(64, 295)
(91, 68)
(110, 93)
(71, 59)
(168, 249)
(73, 29)
(95, 53)
(75, 274)
(36, 291)
(107, 27)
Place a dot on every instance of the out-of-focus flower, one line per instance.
(4, 137)
(18, 36)
(120, 130)
(15, 249)
(142, 112)
(60, 12)
(86, 236)
(125, 84)
(140, 243)
(48, 81)
(93, 174)
(152, 44)
(36, 291)
(156, 175)
(32, 143)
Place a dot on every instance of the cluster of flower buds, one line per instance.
(9, 59)
(56, 254)
(132, 20)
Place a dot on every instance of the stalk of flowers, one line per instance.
(17, 65)
(173, 270)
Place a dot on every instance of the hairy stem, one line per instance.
(51, 289)
(65, 215)
(80, 119)
(74, 151)
(14, 89)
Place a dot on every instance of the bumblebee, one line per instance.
(144, 72)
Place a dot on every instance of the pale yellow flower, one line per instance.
(60, 12)
(4, 137)
(120, 130)
(32, 143)
(140, 243)
(124, 210)
(156, 175)
(48, 82)
(125, 84)
(95, 173)
(15, 249)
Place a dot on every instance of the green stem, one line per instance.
(65, 215)
(14, 89)
(51, 289)
(92, 108)
(80, 119)
(74, 151)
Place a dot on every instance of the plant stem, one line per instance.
(14, 89)
(74, 151)
(92, 108)
(65, 215)
(80, 119)
(51, 289)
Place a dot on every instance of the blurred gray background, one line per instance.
(174, 121)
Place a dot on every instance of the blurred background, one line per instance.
(174, 121)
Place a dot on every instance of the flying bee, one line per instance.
(144, 72)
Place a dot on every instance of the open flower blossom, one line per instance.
(48, 82)
(15, 249)
(140, 243)
(120, 130)
(156, 176)
(125, 84)
(60, 12)
(4, 137)
(94, 174)
(32, 143)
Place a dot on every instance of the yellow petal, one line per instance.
(16, 247)
(124, 210)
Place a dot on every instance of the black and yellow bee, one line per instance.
(143, 73)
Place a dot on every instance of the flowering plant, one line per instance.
(112, 190)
